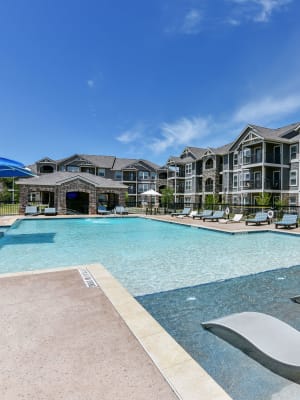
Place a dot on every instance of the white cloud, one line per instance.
(267, 109)
(261, 10)
(90, 83)
(181, 133)
(191, 24)
(128, 136)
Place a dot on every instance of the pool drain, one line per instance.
(87, 278)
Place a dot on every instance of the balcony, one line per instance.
(252, 159)
(269, 184)
(250, 185)
(173, 174)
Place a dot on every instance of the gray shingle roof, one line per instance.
(279, 133)
(57, 178)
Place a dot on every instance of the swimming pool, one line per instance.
(147, 256)
(182, 276)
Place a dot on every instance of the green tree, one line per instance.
(167, 196)
(263, 199)
(6, 186)
(211, 199)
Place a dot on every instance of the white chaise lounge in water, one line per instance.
(268, 340)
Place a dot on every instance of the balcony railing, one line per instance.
(176, 174)
(253, 159)
(249, 185)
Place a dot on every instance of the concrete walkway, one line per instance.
(62, 340)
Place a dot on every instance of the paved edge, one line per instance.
(185, 376)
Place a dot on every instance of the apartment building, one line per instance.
(81, 182)
(260, 160)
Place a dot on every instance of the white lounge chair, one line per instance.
(50, 211)
(31, 210)
(268, 340)
(184, 213)
(120, 210)
(234, 219)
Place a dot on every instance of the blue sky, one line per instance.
(143, 79)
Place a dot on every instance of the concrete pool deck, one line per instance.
(64, 340)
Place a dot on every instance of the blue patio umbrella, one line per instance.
(13, 169)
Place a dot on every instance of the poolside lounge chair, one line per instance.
(268, 340)
(50, 211)
(288, 221)
(184, 213)
(205, 213)
(102, 210)
(120, 210)
(234, 219)
(215, 217)
(31, 210)
(260, 217)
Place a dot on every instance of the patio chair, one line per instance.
(120, 210)
(288, 221)
(268, 340)
(102, 210)
(205, 213)
(31, 210)
(236, 218)
(50, 211)
(215, 217)
(260, 217)
(184, 213)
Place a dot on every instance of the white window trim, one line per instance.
(296, 146)
(188, 169)
(235, 180)
(295, 172)
(188, 185)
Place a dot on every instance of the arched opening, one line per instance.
(209, 164)
(209, 185)
(77, 202)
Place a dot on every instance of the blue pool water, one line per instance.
(146, 256)
(181, 312)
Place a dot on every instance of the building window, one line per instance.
(293, 201)
(209, 185)
(188, 185)
(246, 155)
(72, 168)
(235, 159)
(101, 172)
(293, 151)
(143, 187)
(187, 201)
(143, 175)
(188, 169)
(235, 181)
(153, 175)
(118, 175)
(293, 178)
